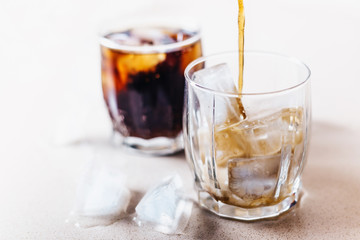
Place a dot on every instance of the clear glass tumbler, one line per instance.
(247, 150)
(142, 70)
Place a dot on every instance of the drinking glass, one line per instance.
(247, 149)
(142, 70)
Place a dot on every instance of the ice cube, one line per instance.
(152, 36)
(124, 38)
(225, 108)
(253, 178)
(248, 139)
(262, 137)
(164, 207)
(269, 160)
(102, 197)
(256, 137)
(217, 78)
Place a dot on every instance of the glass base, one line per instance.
(156, 146)
(246, 214)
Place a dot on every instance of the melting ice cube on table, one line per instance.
(102, 197)
(164, 207)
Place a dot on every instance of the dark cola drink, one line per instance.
(143, 81)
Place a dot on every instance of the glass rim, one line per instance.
(181, 23)
(233, 94)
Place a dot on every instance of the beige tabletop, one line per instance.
(54, 122)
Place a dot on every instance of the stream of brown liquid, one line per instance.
(241, 22)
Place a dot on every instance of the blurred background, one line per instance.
(50, 87)
(50, 60)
